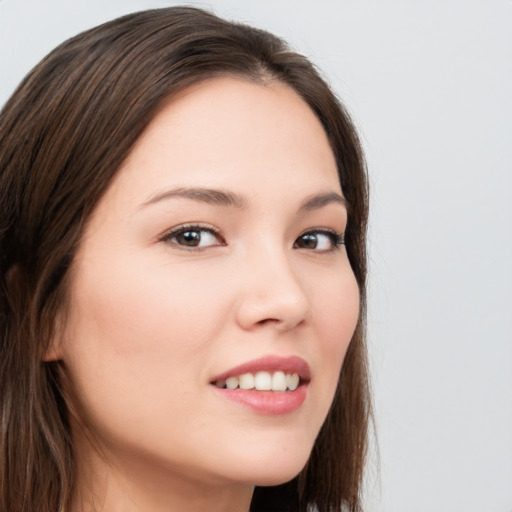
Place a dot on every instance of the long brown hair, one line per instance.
(63, 135)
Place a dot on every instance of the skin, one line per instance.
(150, 322)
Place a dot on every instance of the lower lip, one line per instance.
(267, 402)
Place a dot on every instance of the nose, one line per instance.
(271, 294)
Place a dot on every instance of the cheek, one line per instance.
(137, 345)
(135, 310)
(138, 330)
(337, 312)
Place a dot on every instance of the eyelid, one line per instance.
(337, 239)
(191, 226)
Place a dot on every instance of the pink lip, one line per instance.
(268, 402)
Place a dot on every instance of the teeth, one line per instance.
(221, 383)
(279, 381)
(232, 382)
(262, 381)
(293, 383)
(246, 381)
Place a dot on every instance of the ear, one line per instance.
(53, 353)
(54, 350)
(19, 294)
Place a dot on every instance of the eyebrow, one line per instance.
(227, 198)
(203, 195)
(317, 201)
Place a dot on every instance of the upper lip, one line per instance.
(271, 363)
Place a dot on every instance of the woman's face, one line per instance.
(215, 253)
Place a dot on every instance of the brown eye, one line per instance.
(189, 238)
(308, 241)
(194, 237)
(319, 241)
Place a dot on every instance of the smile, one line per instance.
(271, 385)
(261, 381)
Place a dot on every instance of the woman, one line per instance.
(183, 214)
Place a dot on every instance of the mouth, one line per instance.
(261, 381)
(270, 385)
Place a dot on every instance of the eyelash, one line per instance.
(337, 239)
(191, 228)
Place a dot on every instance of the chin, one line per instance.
(276, 476)
(277, 468)
(270, 479)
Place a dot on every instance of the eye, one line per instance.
(194, 236)
(319, 240)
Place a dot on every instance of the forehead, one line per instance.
(233, 133)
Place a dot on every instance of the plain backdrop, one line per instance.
(429, 84)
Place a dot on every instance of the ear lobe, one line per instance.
(54, 350)
(53, 353)
(19, 293)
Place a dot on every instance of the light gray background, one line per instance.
(429, 84)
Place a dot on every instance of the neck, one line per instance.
(137, 485)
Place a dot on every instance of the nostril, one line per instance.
(285, 323)
(268, 321)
